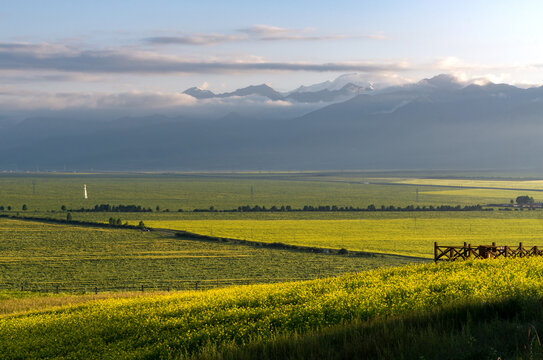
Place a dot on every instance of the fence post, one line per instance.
(56, 289)
(197, 285)
(506, 251)
(465, 249)
(435, 251)
(96, 290)
(521, 250)
(142, 288)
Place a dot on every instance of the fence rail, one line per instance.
(453, 253)
(173, 285)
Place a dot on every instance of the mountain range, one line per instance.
(301, 95)
(436, 123)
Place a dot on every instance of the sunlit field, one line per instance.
(57, 258)
(210, 322)
(48, 192)
(413, 236)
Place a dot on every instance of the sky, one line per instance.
(58, 55)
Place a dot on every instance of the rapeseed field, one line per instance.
(410, 235)
(187, 323)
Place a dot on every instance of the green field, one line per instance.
(37, 256)
(48, 192)
(422, 306)
(347, 309)
(406, 233)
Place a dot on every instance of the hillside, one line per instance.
(346, 313)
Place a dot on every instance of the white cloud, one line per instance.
(28, 100)
(32, 57)
(476, 73)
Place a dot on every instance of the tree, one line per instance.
(141, 225)
(63, 208)
(157, 208)
(25, 207)
(525, 200)
(69, 217)
(9, 208)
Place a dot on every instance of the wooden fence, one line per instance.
(453, 253)
(148, 286)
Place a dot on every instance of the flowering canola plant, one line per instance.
(182, 323)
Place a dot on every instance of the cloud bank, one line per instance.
(61, 58)
(255, 33)
(25, 100)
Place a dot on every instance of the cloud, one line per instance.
(196, 39)
(274, 33)
(42, 57)
(376, 36)
(255, 33)
(25, 100)
(266, 30)
(477, 73)
(18, 77)
(135, 103)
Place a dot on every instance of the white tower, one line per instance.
(85, 191)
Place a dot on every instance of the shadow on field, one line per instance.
(506, 329)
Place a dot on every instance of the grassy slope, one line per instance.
(460, 302)
(495, 330)
(17, 302)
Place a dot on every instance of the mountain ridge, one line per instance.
(435, 123)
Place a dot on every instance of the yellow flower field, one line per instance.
(410, 235)
(166, 326)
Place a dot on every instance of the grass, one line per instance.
(497, 330)
(385, 310)
(44, 257)
(18, 302)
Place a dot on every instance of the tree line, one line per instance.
(111, 208)
(325, 208)
(274, 208)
